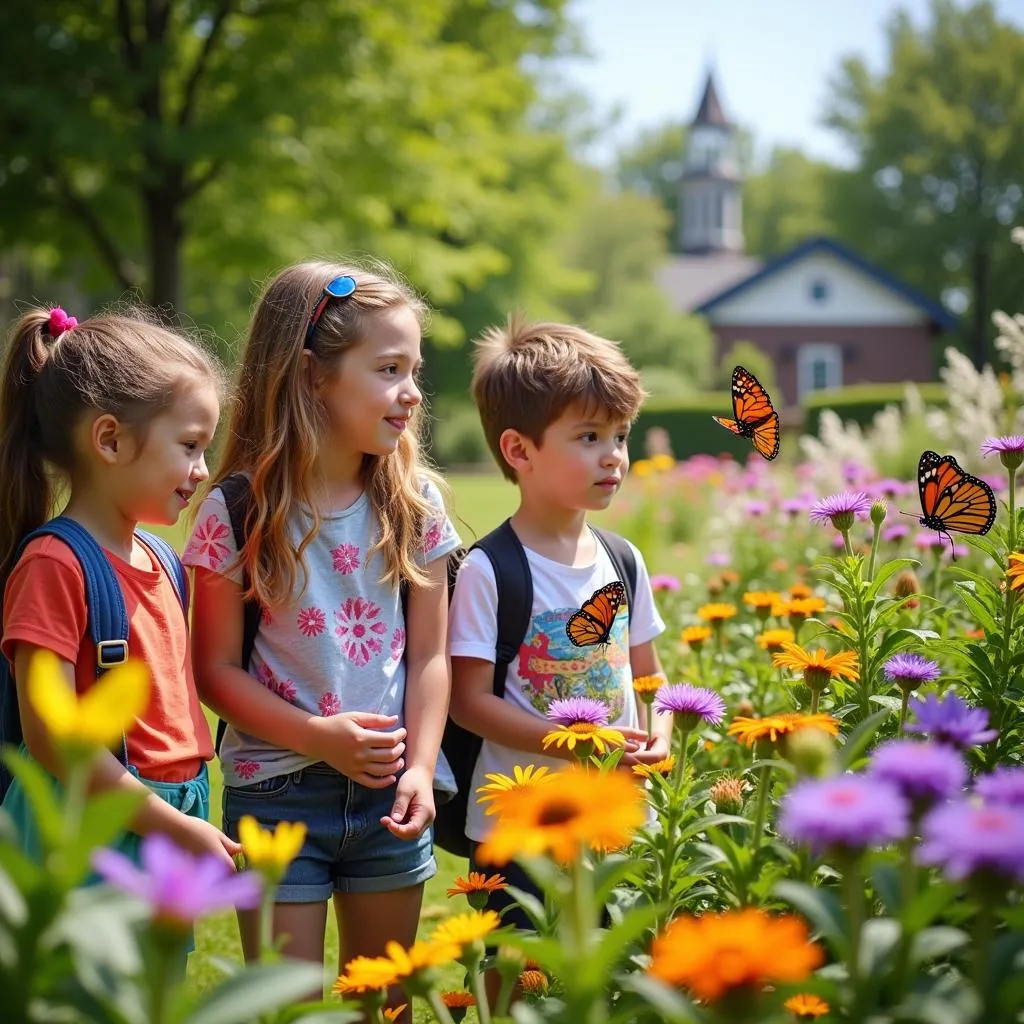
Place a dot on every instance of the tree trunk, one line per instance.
(980, 318)
(165, 231)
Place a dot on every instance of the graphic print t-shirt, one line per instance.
(340, 646)
(549, 666)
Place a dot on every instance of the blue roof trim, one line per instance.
(935, 310)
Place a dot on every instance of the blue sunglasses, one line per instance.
(339, 288)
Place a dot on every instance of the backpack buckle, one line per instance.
(110, 653)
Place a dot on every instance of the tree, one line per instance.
(194, 144)
(785, 203)
(940, 139)
(653, 166)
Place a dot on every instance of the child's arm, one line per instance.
(154, 814)
(644, 661)
(353, 742)
(427, 689)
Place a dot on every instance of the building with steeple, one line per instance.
(822, 313)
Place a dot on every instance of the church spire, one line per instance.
(710, 110)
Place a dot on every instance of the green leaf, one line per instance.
(106, 816)
(878, 940)
(858, 740)
(892, 704)
(615, 941)
(670, 1005)
(977, 608)
(40, 790)
(818, 906)
(611, 871)
(936, 943)
(886, 572)
(259, 989)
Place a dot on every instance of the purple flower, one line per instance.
(793, 506)
(757, 507)
(922, 772)
(965, 840)
(951, 721)
(661, 581)
(578, 709)
(854, 472)
(718, 558)
(179, 886)
(1003, 786)
(889, 488)
(895, 532)
(1012, 444)
(841, 509)
(691, 705)
(848, 812)
(909, 671)
(927, 541)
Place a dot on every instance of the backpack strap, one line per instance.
(514, 584)
(623, 559)
(237, 491)
(170, 563)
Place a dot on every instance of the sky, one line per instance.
(773, 60)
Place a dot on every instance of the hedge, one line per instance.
(860, 402)
(691, 429)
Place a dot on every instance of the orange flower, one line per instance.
(476, 886)
(1015, 571)
(799, 590)
(762, 600)
(730, 576)
(806, 1006)
(394, 1012)
(716, 612)
(805, 607)
(716, 953)
(533, 982)
(750, 730)
(457, 999)
(773, 639)
(695, 636)
(818, 668)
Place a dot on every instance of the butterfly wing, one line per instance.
(755, 416)
(766, 437)
(593, 622)
(952, 499)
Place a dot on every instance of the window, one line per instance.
(819, 289)
(819, 367)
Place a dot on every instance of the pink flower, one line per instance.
(284, 688)
(360, 630)
(207, 543)
(346, 558)
(246, 769)
(312, 621)
(433, 536)
(398, 643)
(265, 617)
(329, 704)
(663, 581)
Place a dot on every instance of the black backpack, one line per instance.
(108, 616)
(514, 586)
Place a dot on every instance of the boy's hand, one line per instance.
(355, 744)
(638, 751)
(413, 809)
(200, 837)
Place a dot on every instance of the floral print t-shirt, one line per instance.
(340, 646)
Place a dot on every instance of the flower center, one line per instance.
(558, 813)
(584, 729)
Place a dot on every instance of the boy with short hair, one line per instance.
(556, 403)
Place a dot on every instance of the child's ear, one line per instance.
(516, 449)
(109, 439)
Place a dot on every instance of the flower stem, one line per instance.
(874, 551)
(855, 907)
(761, 807)
(483, 1008)
(267, 922)
(1011, 503)
(846, 543)
(983, 933)
(815, 696)
(904, 703)
(438, 1008)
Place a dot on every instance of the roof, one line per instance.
(689, 280)
(935, 310)
(710, 110)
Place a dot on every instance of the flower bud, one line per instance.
(727, 795)
(810, 751)
(878, 512)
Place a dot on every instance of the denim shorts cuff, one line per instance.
(304, 893)
(387, 883)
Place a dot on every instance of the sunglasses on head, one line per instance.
(339, 288)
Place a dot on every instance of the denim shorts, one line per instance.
(346, 848)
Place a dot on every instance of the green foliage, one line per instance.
(939, 136)
(750, 357)
(860, 402)
(784, 203)
(653, 166)
(690, 427)
(457, 438)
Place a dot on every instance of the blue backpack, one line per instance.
(108, 616)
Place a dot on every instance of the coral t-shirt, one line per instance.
(44, 605)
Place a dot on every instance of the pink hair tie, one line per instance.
(60, 322)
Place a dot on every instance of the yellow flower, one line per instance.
(716, 612)
(750, 730)
(643, 468)
(366, 973)
(818, 668)
(806, 1006)
(394, 1012)
(762, 599)
(601, 736)
(575, 810)
(271, 852)
(466, 928)
(1015, 572)
(713, 954)
(662, 463)
(525, 778)
(101, 716)
(662, 767)
(645, 687)
(773, 639)
(478, 882)
(805, 607)
(695, 636)
(800, 590)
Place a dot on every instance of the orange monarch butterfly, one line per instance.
(952, 499)
(593, 622)
(756, 417)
